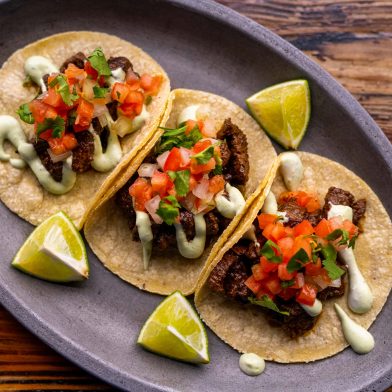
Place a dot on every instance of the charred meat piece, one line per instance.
(223, 222)
(119, 62)
(164, 236)
(235, 286)
(333, 292)
(112, 107)
(55, 169)
(238, 164)
(188, 224)
(359, 208)
(296, 324)
(212, 223)
(77, 60)
(315, 217)
(337, 196)
(83, 153)
(216, 280)
(247, 249)
(124, 201)
(225, 153)
(295, 213)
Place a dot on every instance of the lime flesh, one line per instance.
(175, 331)
(283, 110)
(54, 251)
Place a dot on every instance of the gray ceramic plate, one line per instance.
(205, 46)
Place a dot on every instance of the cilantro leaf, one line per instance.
(339, 233)
(181, 181)
(57, 125)
(287, 283)
(218, 167)
(204, 156)
(168, 209)
(297, 261)
(63, 89)
(99, 63)
(333, 270)
(267, 302)
(100, 92)
(25, 114)
(177, 138)
(268, 252)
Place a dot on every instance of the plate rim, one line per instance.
(255, 31)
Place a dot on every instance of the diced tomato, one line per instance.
(335, 223)
(283, 273)
(74, 74)
(173, 161)
(127, 110)
(303, 228)
(266, 219)
(120, 92)
(253, 284)
(313, 269)
(350, 227)
(151, 84)
(161, 183)
(278, 232)
(307, 295)
(272, 283)
(132, 80)
(267, 266)
(289, 231)
(217, 183)
(201, 145)
(142, 192)
(46, 135)
(268, 230)
(53, 98)
(198, 168)
(323, 228)
(69, 141)
(287, 293)
(84, 115)
(313, 204)
(264, 291)
(303, 199)
(303, 243)
(41, 110)
(190, 124)
(57, 146)
(258, 272)
(90, 70)
(134, 97)
(192, 183)
(286, 245)
(323, 274)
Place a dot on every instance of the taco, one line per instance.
(73, 106)
(155, 226)
(322, 236)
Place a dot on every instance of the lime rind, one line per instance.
(175, 331)
(275, 125)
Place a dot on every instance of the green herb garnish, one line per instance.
(99, 63)
(181, 181)
(297, 261)
(267, 302)
(57, 125)
(287, 283)
(268, 252)
(63, 89)
(25, 114)
(100, 92)
(204, 156)
(333, 270)
(168, 209)
(177, 138)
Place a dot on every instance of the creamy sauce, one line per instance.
(360, 340)
(229, 208)
(313, 310)
(38, 66)
(118, 75)
(143, 225)
(270, 205)
(292, 170)
(189, 113)
(11, 130)
(251, 364)
(194, 248)
(360, 298)
(124, 126)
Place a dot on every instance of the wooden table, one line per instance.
(350, 39)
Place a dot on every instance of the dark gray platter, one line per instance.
(205, 46)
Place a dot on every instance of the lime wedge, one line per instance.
(54, 251)
(283, 110)
(175, 331)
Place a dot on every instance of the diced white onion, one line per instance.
(189, 202)
(88, 92)
(103, 120)
(57, 158)
(336, 283)
(185, 156)
(162, 159)
(320, 282)
(201, 190)
(209, 128)
(147, 169)
(300, 279)
(99, 110)
(152, 206)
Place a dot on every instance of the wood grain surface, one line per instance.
(350, 39)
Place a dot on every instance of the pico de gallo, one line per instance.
(90, 94)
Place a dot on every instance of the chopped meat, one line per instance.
(103, 132)
(188, 224)
(55, 169)
(124, 201)
(164, 236)
(248, 249)
(119, 62)
(77, 59)
(238, 164)
(315, 217)
(83, 153)
(225, 153)
(112, 107)
(296, 324)
(234, 284)
(359, 208)
(212, 223)
(223, 222)
(294, 213)
(216, 280)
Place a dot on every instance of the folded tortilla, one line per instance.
(245, 328)
(106, 228)
(20, 190)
